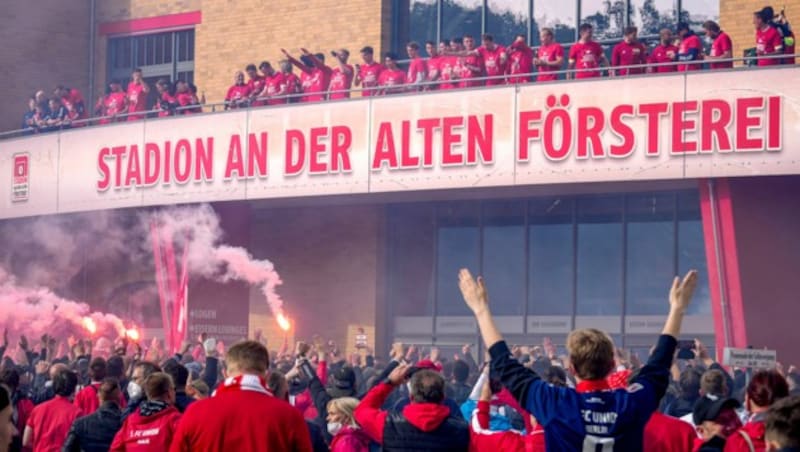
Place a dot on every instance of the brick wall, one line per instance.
(736, 19)
(42, 46)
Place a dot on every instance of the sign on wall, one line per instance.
(697, 125)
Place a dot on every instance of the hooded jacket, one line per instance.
(145, 431)
(755, 430)
(420, 426)
(350, 439)
(95, 432)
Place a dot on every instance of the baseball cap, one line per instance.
(428, 364)
(343, 384)
(708, 407)
(766, 14)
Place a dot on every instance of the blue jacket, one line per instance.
(603, 420)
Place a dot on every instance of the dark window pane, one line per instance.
(458, 240)
(418, 22)
(504, 255)
(692, 251)
(411, 259)
(599, 288)
(607, 17)
(461, 17)
(551, 250)
(650, 16)
(505, 19)
(650, 253)
(558, 15)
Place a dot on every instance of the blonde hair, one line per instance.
(591, 353)
(344, 406)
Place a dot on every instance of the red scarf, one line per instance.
(244, 382)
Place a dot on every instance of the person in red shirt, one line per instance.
(721, 47)
(367, 74)
(114, 103)
(185, 97)
(494, 59)
(663, 53)
(392, 78)
(434, 61)
(72, 99)
(341, 76)
(49, 423)
(417, 69)
(166, 103)
(520, 61)
(239, 93)
(86, 399)
(315, 75)
(471, 64)
(781, 25)
(291, 81)
(690, 51)
(766, 388)
(549, 57)
(243, 415)
(482, 438)
(768, 40)
(137, 95)
(274, 85)
(152, 426)
(629, 52)
(447, 67)
(586, 55)
(256, 84)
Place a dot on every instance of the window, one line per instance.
(420, 25)
(696, 12)
(462, 17)
(551, 255)
(458, 245)
(167, 55)
(411, 228)
(691, 251)
(505, 19)
(560, 16)
(650, 16)
(607, 16)
(504, 255)
(599, 290)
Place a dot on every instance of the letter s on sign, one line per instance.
(105, 172)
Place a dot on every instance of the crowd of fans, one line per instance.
(207, 398)
(456, 63)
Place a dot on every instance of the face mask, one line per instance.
(134, 391)
(334, 428)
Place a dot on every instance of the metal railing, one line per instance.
(421, 88)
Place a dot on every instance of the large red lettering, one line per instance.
(428, 125)
(681, 126)
(745, 122)
(340, 148)
(550, 150)
(480, 138)
(622, 130)
(102, 167)
(235, 161)
(316, 150)
(133, 175)
(407, 161)
(591, 123)
(183, 161)
(774, 123)
(204, 160)
(118, 152)
(152, 164)
(295, 152)
(527, 132)
(384, 148)
(715, 117)
(653, 113)
(450, 140)
(257, 155)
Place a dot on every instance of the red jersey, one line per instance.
(185, 99)
(433, 74)
(768, 40)
(293, 85)
(690, 50)
(416, 67)
(164, 105)
(475, 62)
(276, 85)
(256, 86)
(236, 94)
(341, 81)
(87, 401)
(390, 80)
(668, 434)
(147, 433)
(722, 43)
(114, 103)
(629, 54)
(50, 423)
(520, 63)
(369, 74)
(448, 65)
(664, 54)
(586, 55)
(315, 84)
(494, 63)
(137, 100)
(74, 104)
(551, 53)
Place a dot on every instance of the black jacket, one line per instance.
(182, 400)
(95, 432)
(401, 436)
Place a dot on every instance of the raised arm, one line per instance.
(295, 62)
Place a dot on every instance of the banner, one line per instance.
(675, 126)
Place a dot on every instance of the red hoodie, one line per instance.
(88, 402)
(755, 430)
(350, 439)
(147, 433)
(424, 416)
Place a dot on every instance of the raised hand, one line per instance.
(399, 374)
(474, 292)
(682, 290)
(397, 351)
(301, 349)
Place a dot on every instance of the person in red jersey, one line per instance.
(152, 426)
(665, 52)
(137, 95)
(72, 100)
(243, 415)
(471, 64)
(166, 102)
(341, 76)
(392, 78)
(86, 399)
(315, 75)
(114, 103)
(367, 74)
(781, 25)
(629, 52)
(494, 60)
(291, 81)
(239, 93)
(417, 69)
(256, 84)
(768, 40)
(549, 57)
(586, 55)
(275, 86)
(49, 423)
(447, 67)
(434, 61)
(185, 97)
(721, 47)
(520, 61)
(765, 388)
(690, 51)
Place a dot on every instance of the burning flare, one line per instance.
(89, 324)
(133, 334)
(283, 322)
